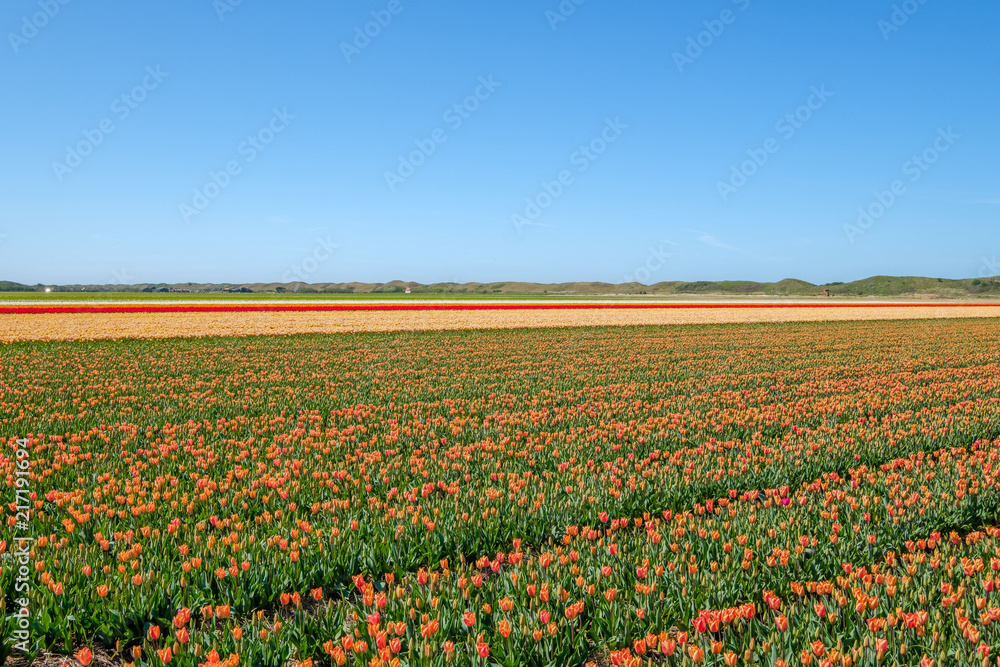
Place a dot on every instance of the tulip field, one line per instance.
(747, 494)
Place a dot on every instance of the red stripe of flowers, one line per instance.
(274, 308)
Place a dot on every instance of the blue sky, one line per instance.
(458, 141)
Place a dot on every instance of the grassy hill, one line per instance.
(877, 286)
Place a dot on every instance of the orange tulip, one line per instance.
(429, 629)
(182, 617)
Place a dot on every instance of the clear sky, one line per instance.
(245, 140)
